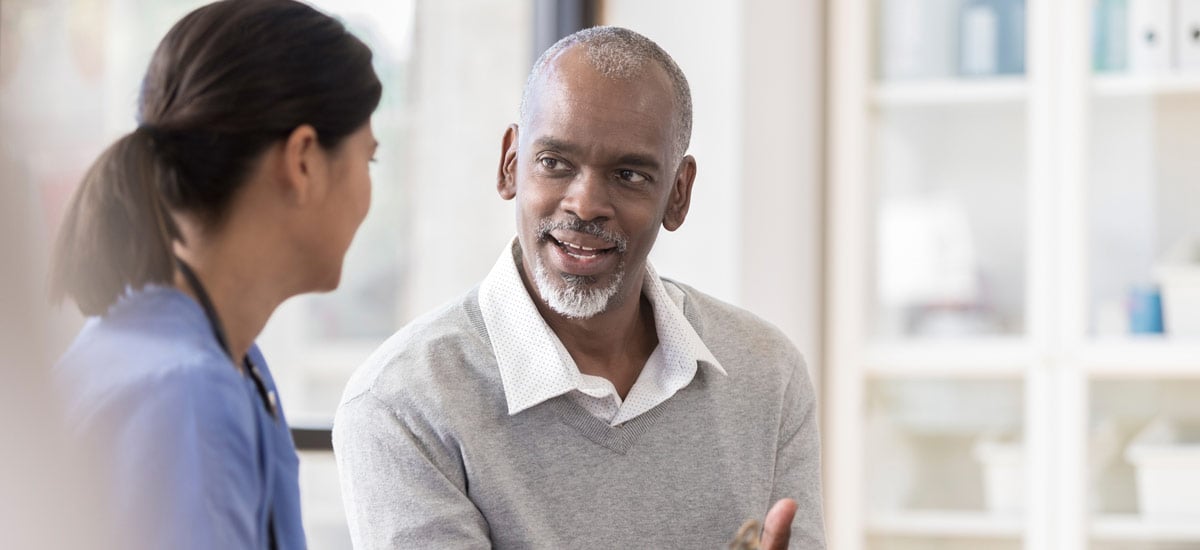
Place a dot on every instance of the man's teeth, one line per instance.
(579, 247)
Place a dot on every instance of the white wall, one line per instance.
(783, 169)
(467, 95)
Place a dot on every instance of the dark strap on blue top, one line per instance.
(219, 333)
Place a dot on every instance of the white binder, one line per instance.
(980, 41)
(1150, 41)
(1187, 35)
(917, 38)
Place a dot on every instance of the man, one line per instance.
(575, 399)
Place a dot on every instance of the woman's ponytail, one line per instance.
(117, 232)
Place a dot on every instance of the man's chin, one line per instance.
(576, 296)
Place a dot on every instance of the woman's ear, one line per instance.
(681, 194)
(303, 161)
(506, 176)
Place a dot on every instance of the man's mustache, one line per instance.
(593, 228)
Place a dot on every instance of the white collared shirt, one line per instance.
(535, 366)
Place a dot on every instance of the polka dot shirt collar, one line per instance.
(535, 366)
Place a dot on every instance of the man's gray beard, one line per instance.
(573, 297)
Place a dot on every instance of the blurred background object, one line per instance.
(44, 479)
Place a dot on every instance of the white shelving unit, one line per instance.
(984, 358)
(1134, 528)
(946, 524)
(946, 92)
(1144, 86)
(1140, 359)
(1034, 164)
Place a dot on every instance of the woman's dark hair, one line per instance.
(226, 82)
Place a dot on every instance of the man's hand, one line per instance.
(777, 527)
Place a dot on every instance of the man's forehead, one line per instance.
(573, 100)
(571, 75)
(573, 128)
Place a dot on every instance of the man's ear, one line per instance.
(681, 194)
(506, 176)
(301, 160)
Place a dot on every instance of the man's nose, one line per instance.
(588, 197)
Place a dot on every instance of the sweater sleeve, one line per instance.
(798, 460)
(402, 487)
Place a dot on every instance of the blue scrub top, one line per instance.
(194, 458)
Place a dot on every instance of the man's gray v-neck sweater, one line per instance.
(430, 458)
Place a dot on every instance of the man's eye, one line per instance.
(631, 176)
(550, 163)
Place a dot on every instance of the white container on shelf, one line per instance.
(1003, 475)
(980, 41)
(1166, 455)
(917, 38)
(1179, 276)
(1150, 40)
(1187, 35)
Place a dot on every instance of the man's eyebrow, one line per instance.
(554, 143)
(639, 161)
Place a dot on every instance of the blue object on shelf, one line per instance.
(1110, 36)
(1004, 21)
(1145, 310)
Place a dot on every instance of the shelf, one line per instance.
(1127, 527)
(1010, 358)
(950, 91)
(969, 358)
(946, 523)
(1135, 86)
(1141, 358)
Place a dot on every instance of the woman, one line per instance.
(242, 186)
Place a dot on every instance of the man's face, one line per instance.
(594, 175)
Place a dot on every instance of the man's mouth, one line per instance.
(582, 248)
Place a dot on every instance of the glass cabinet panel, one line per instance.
(948, 170)
(1141, 169)
(950, 221)
(945, 462)
(1144, 463)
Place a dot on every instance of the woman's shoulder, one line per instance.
(152, 350)
(144, 326)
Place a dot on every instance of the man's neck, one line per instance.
(613, 344)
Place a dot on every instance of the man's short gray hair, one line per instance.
(621, 53)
